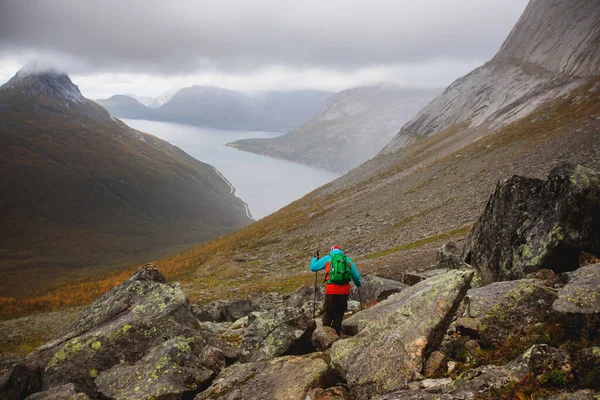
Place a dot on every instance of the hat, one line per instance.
(336, 247)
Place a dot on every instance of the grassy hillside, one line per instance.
(83, 194)
(390, 215)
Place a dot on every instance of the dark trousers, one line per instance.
(335, 306)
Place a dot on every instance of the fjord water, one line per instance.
(266, 184)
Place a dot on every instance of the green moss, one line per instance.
(93, 373)
(126, 328)
(555, 378)
(96, 345)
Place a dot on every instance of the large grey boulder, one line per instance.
(284, 378)
(276, 333)
(494, 312)
(529, 224)
(121, 327)
(168, 370)
(390, 350)
(374, 288)
(578, 303)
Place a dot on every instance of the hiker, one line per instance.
(337, 288)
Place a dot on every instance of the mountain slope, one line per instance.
(350, 128)
(122, 106)
(82, 189)
(551, 50)
(393, 212)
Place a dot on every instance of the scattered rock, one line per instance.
(391, 349)
(530, 224)
(288, 378)
(435, 364)
(412, 278)
(276, 333)
(64, 392)
(120, 328)
(578, 303)
(323, 337)
(374, 288)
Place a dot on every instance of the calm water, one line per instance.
(265, 183)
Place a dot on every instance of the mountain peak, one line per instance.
(51, 83)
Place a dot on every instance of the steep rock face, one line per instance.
(391, 350)
(559, 36)
(530, 224)
(350, 128)
(550, 51)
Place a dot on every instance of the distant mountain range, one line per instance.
(351, 127)
(224, 109)
(79, 188)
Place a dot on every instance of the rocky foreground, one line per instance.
(521, 321)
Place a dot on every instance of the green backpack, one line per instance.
(339, 270)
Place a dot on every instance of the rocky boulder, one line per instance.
(375, 288)
(323, 337)
(391, 348)
(284, 378)
(529, 224)
(492, 313)
(171, 370)
(276, 333)
(120, 328)
(578, 303)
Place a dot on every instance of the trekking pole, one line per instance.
(315, 295)
(359, 298)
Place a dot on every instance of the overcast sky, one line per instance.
(148, 47)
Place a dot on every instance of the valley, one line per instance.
(266, 184)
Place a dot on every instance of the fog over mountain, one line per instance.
(260, 45)
(225, 109)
